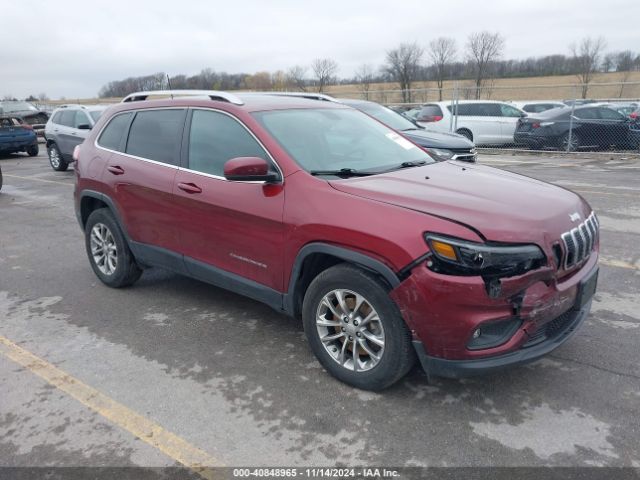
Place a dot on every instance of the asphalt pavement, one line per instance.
(174, 371)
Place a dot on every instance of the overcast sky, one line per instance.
(71, 48)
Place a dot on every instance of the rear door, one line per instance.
(589, 127)
(140, 174)
(483, 119)
(509, 117)
(615, 127)
(234, 227)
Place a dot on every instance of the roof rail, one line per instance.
(212, 94)
(307, 95)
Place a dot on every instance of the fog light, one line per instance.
(477, 333)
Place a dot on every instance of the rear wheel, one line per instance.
(108, 252)
(355, 329)
(55, 158)
(570, 143)
(465, 133)
(33, 151)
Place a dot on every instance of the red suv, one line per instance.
(323, 213)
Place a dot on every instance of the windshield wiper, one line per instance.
(343, 172)
(416, 163)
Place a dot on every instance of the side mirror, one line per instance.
(84, 126)
(249, 169)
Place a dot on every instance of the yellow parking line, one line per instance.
(168, 443)
(37, 179)
(618, 263)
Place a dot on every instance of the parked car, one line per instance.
(67, 128)
(324, 213)
(17, 136)
(625, 108)
(591, 126)
(537, 106)
(635, 115)
(27, 112)
(440, 145)
(484, 122)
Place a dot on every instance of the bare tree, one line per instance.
(297, 77)
(624, 62)
(364, 77)
(403, 64)
(260, 81)
(325, 71)
(442, 51)
(586, 56)
(483, 49)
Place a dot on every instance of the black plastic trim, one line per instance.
(365, 261)
(442, 367)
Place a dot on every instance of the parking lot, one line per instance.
(173, 371)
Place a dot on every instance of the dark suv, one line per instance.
(324, 213)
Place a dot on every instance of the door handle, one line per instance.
(189, 187)
(115, 169)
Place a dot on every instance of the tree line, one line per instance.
(479, 60)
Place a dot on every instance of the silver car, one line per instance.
(67, 127)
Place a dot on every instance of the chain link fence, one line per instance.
(566, 117)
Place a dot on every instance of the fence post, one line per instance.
(573, 108)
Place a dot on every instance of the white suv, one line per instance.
(67, 127)
(484, 122)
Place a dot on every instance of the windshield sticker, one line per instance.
(403, 142)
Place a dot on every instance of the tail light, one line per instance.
(633, 115)
(430, 118)
(535, 125)
(76, 153)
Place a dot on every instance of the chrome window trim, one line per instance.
(178, 167)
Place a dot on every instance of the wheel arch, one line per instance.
(91, 200)
(314, 258)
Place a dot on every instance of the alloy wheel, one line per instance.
(350, 330)
(54, 157)
(103, 249)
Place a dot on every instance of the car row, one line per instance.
(328, 215)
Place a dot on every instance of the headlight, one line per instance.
(453, 256)
(440, 153)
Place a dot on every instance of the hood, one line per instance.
(501, 206)
(431, 139)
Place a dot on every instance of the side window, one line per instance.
(586, 113)
(67, 118)
(509, 111)
(215, 138)
(609, 114)
(488, 110)
(81, 119)
(464, 109)
(57, 118)
(111, 136)
(156, 135)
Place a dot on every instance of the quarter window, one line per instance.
(156, 135)
(113, 133)
(215, 138)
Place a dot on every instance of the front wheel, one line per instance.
(108, 252)
(55, 158)
(355, 329)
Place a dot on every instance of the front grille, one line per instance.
(463, 153)
(552, 329)
(579, 242)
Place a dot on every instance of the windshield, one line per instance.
(334, 139)
(385, 115)
(8, 107)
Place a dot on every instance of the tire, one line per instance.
(575, 143)
(394, 358)
(465, 133)
(55, 158)
(102, 232)
(33, 151)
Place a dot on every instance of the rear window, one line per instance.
(156, 135)
(112, 135)
(430, 111)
